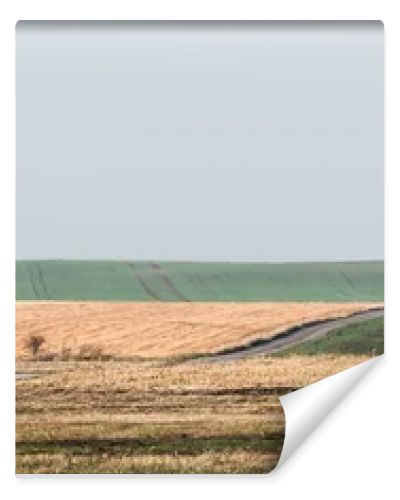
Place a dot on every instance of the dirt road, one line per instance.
(289, 337)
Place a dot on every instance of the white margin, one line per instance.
(308, 407)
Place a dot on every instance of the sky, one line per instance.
(238, 141)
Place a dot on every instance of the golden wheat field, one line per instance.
(163, 329)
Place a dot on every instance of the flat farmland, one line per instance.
(143, 405)
(163, 329)
(160, 417)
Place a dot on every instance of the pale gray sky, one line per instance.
(200, 141)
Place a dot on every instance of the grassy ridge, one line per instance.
(365, 337)
(202, 282)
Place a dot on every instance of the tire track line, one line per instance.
(32, 280)
(346, 277)
(143, 283)
(168, 282)
(42, 282)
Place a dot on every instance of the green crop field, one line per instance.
(198, 281)
(365, 337)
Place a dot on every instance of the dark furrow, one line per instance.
(143, 283)
(32, 280)
(182, 444)
(168, 282)
(41, 281)
(243, 391)
(347, 278)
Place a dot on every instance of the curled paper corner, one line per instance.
(308, 407)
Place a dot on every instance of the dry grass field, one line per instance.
(163, 329)
(159, 416)
(142, 409)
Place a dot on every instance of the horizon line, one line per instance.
(188, 261)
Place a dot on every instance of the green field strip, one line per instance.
(78, 280)
(200, 281)
(283, 282)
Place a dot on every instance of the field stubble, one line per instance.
(153, 416)
(163, 329)
(159, 415)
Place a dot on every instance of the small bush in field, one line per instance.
(34, 342)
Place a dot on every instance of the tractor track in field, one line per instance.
(42, 282)
(287, 338)
(347, 278)
(33, 284)
(167, 281)
(143, 283)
